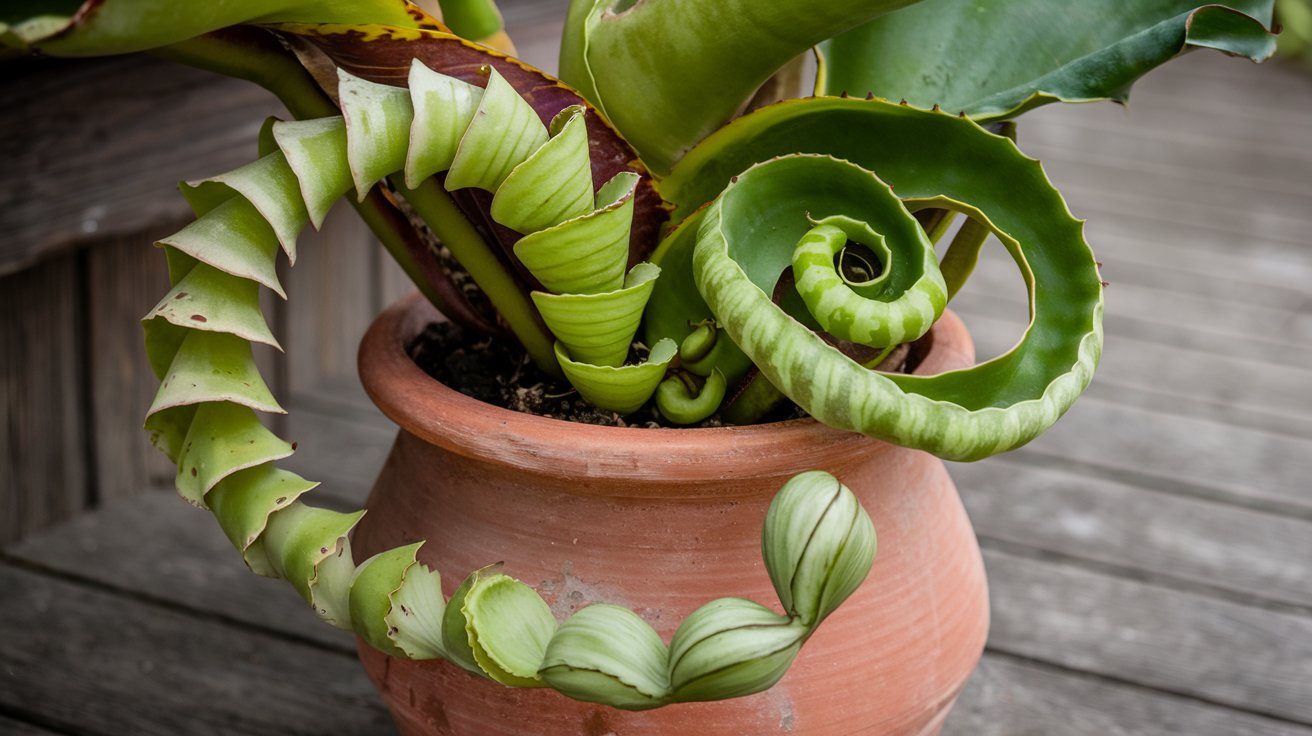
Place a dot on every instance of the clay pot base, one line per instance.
(663, 521)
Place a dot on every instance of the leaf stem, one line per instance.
(435, 206)
(962, 254)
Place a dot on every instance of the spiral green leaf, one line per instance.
(765, 197)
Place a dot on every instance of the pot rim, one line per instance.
(442, 416)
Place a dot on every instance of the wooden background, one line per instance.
(1150, 558)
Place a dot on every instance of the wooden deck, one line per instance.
(1150, 558)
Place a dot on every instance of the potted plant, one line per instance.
(766, 258)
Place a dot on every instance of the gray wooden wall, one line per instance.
(92, 153)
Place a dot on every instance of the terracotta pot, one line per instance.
(663, 521)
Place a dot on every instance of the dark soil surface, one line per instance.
(498, 371)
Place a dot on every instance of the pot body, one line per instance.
(663, 521)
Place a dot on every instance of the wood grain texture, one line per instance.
(332, 295)
(43, 439)
(1239, 656)
(115, 547)
(1206, 458)
(126, 277)
(1229, 388)
(342, 449)
(111, 169)
(1261, 556)
(109, 664)
(11, 727)
(1012, 697)
(155, 547)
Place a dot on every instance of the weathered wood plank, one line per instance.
(1228, 387)
(342, 451)
(116, 547)
(1189, 455)
(331, 299)
(1284, 331)
(1010, 697)
(43, 438)
(1262, 556)
(1195, 337)
(109, 664)
(1278, 75)
(108, 169)
(1229, 654)
(21, 728)
(159, 547)
(1110, 199)
(1212, 257)
(128, 276)
(535, 28)
(1230, 191)
(1262, 105)
(1119, 140)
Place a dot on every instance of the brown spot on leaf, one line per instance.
(181, 295)
(199, 318)
(193, 472)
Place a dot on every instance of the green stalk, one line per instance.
(435, 206)
(962, 254)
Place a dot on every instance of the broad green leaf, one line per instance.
(214, 366)
(387, 55)
(269, 184)
(994, 60)
(168, 429)
(331, 588)
(102, 27)
(234, 238)
(443, 107)
(669, 73)
(455, 635)
(209, 299)
(505, 130)
(552, 185)
(316, 152)
(378, 123)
